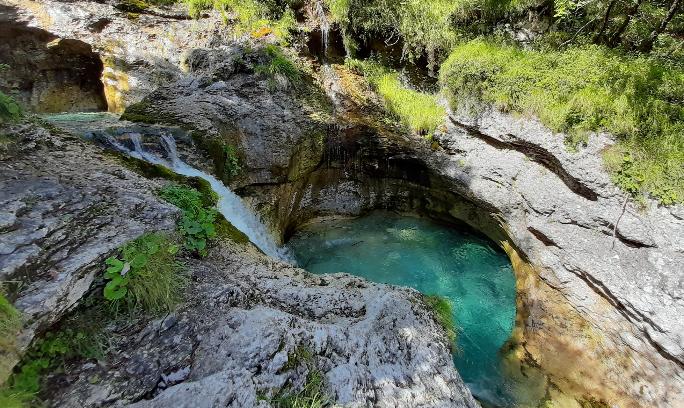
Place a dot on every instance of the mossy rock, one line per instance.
(145, 112)
(224, 229)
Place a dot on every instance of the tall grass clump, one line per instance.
(580, 90)
(416, 110)
(145, 275)
(279, 66)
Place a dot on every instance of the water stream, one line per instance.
(469, 270)
(230, 205)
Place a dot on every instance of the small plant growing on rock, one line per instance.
(312, 393)
(145, 275)
(278, 67)
(198, 223)
(232, 164)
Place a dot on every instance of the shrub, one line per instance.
(198, 223)
(443, 314)
(581, 90)
(419, 111)
(145, 275)
(10, 110)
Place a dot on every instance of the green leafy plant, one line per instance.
(232, 164)
(9, 109)
(145, 274)
(198, 222)
(443, 314)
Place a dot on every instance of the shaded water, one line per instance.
(409, 251)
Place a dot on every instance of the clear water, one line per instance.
(409, 251)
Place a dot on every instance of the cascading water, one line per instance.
(331, 81)
(229, 205)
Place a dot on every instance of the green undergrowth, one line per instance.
(580, 90)
(312, 393)
(78, 337)
(279, 67)
(443, 314)
(10, 326)
(145, 275)
(197, 226)
(418, 111)
(253, 17)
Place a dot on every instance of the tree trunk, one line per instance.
(647, 45)
(617, 35)
(600, 36)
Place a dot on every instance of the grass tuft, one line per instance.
(418, 111)
(146, 275)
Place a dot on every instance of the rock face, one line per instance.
(139, 48)
(66, 205)
(253, 327)
(47, 74)
(599, 279)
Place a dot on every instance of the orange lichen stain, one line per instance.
(262, 32)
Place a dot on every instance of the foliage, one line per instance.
(232, 164)
(584, 89)
(10, 323)
(198, 223)
(443, 314)
(257, 17)
(47, 354)
(278, 66)
(311, 395)
(419, 111)
(9, 109)
(145, 275)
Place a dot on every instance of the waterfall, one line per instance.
(324, 24)
(230, 205)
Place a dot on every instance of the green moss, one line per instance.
(582, 90)
(442, 309)
(145, 112)
(224, 229)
